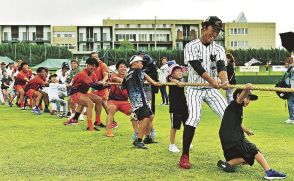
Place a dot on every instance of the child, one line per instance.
(237, 149)
(134, 82)
(178, 105)
(56, 92)
(6, 81)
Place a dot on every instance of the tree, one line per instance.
(126, 45)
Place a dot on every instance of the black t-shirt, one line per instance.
(7, 80)
(177, 99)
(231, 73)
(231, 131)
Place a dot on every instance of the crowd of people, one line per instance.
(80, 90)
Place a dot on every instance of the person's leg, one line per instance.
(172, 135)
(21, 98)
(4, 91)
(46, 101)
(216, 101)
(236, 161)
(38, 96)
(161, 88)
(98, 104)
(291, 107)
(111, 112)
(86, 102)
(165, 95)
(262, 161)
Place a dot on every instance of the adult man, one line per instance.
(118, 98)
(101, 73)
(206, 63)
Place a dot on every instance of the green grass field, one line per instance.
(41, 148)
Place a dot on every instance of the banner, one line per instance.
(249, 68)
(279, 68)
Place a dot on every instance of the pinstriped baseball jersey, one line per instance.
(208, 55)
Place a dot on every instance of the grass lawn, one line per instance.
(41, 148)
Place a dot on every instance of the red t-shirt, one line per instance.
(81, 82)
(100, 70)
(20, 77)
(116, 93)
(35, 83)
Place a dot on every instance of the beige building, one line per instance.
(154, 34)
(65, 36)
(244, 35)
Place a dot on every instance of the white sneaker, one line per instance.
(173, 148)
(289, 121)
(191, 146)
(81, 117)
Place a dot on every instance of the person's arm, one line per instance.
(244, 93)
(197, 66)
(151, 81)
(247, 131)
(179, 83)
(115, 78)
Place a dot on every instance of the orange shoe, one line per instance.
(109, 133)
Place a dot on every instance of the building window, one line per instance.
(98, 47)
(116, 25)
(139, 25)
(24, 36)
(153, 25)
(66, 35)
(81, 37)
(164, 25)
(128, 25)
(95, 37)
(49, 36)
(6, 36)
(104, 37)
(58, 35)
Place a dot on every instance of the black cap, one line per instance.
(65, 65)
(252, 97)
(214, 21)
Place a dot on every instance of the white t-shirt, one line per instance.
(162, 73)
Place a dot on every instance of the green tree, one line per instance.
(126, 45)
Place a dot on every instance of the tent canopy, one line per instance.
(7, 60)
(52, 63)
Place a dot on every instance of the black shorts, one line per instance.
(143, 112)
(176, 119)
(244, 149)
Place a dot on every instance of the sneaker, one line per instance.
(109, 133)
(114, 124)
(173, 148)
(53, 112)
(153, 133)
(184, 162)
(71, 121)
(273, 174)
(191, 146)
(101, 125)
(139, 145)
(68, 114)
(92, 129)
(289, 121)
(81, 117)
(225, 166)
(149, 140)
(134, 136)
(10, 104)
(23, 108)
(46, 110)
(36, 111)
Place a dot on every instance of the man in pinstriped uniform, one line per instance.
(206, 64)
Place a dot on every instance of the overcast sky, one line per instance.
(92, 12)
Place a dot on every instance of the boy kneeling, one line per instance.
(237, 149)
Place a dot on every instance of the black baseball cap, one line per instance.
(252, 97)
(214, 21)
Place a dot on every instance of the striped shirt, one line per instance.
(208, 55)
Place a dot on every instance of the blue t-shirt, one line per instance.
(134, 82)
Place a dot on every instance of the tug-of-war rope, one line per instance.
(276, 89)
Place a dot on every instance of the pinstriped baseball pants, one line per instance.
(195, 98)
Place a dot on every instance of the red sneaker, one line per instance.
(184, 162)
(71, 121)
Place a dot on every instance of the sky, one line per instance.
(92, 12)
